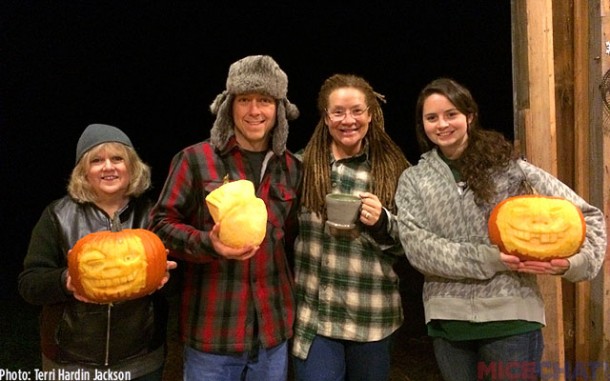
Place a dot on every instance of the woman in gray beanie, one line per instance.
(237, 303)
(122, 339)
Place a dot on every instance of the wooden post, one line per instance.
(540, 142)
(599, 63)
(582, 158)
(563, 58)
(542, 130)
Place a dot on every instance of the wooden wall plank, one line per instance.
(581, 163)
(541, 150)
(599, 63)
(539, 70)
(563, 58)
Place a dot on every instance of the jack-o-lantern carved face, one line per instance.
(115, 266)
(537, 227)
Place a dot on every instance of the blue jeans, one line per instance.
(338, 360)
(270, 364)
(514, 358)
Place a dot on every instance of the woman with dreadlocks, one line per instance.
(483, 307)
(348, 302)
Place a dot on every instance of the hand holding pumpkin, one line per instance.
(240, 254)
(170, 265)
(511, 261)
(552, 267)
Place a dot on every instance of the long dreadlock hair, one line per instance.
(387, 159)
(487, 151)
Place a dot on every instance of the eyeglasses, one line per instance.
(339, 114)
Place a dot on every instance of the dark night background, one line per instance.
(152, 68)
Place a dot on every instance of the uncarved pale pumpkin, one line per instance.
(114, 266)
(536, 227)
(242, 216)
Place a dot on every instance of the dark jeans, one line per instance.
(515, 358)
(338, 360)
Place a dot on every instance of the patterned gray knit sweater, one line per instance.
(444, 235)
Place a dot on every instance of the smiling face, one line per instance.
(107, 170)
(348, 120)
(254, 116)
(445, 125)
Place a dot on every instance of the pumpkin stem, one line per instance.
(115, 223)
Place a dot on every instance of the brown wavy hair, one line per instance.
(139, 173)
(487, 152)
(387, 159)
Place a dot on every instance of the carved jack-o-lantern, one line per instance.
(242, 216)
(536, 227)
(112, 266)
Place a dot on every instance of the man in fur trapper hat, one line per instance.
(253, 74)
(239, 311)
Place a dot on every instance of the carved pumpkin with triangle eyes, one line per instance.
(242, 216)
(117, 265)
(536, 227)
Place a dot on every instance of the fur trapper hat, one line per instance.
(253, 74)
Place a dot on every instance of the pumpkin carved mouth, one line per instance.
(536, 238)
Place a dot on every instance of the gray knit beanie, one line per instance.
(260, 74)
(96, 134)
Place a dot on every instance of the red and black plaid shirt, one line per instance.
(230, 306)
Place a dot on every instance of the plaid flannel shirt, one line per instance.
(230, 306)
(346, 288)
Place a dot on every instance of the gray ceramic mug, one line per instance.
(342, 210)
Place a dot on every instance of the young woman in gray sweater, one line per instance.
(483, 307)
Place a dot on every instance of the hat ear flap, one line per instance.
(218, 101)
(292, 112)
(222, 129)
(285, 111)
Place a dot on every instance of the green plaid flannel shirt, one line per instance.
(346, 288)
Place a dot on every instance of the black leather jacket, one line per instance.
(86, 333)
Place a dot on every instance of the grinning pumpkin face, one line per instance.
(242, 216)
(115, 266)
(535, 227)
